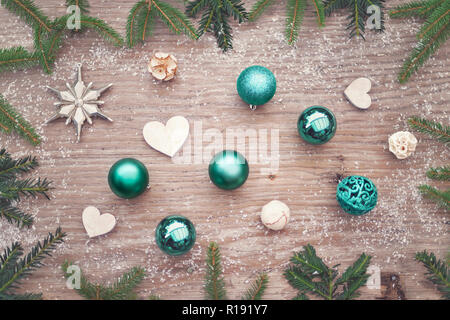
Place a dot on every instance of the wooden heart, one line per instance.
(357, 91)
(97, 224)
(169, 138)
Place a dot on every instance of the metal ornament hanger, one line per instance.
(79, 103)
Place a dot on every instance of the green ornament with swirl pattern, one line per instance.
(357, 195)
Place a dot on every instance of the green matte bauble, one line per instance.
(316, 125)
(175, 235)
(128, 178)
(228, 169)
(256, 85)
(357, 195)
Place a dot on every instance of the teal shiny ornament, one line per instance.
(128, 178)
(317, 125)
(256, 85)
(228, 169)
(175, 235)
(357, 195)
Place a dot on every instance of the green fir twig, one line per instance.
(141, 19)
(11, 121)
(11, 188)
(437, 271)
(122, 289)
(215, 18)
(432, 128)
(214, 285)
(441, 197)
(214, 282)
(13, 268)
(309, 274)
(439, 173)
(433, 34)
(257, 288)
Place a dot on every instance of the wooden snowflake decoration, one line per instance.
(79, 103)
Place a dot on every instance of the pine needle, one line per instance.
(257, 288)
(216, 14)
(82, 4)
(16, 58)
(258, 8)
(441, 197)
(214, 282)
(437, 271)
(103, 29)
(11, 188)
(122, 289)
(14, 269)
(439, 173)
(309, 274)
(295, 11)
(11, 121)
(434, 129)
(29, 12)
(432, 35)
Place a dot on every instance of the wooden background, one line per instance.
(314, 71)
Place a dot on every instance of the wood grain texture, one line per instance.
(314, 71)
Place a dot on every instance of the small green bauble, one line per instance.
(228, 169)
(316, 125)
(128, 178)
(175, 235)
(357, 195)
(256, 85)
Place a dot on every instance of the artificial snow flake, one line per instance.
(79, 103)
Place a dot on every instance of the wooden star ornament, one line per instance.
(79, 103)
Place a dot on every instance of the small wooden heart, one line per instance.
(169, 138)
(357, 91)
(97, 224)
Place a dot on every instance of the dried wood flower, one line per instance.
(163, 66)
(402, 144)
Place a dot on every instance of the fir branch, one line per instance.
(29, 12)
(16, 58)
(82, 4)
(432, 35)
(174, 19)
(419, 9)
(103, 29)
(439, 173)
(258, 8)
(214, 282)
(432, 128)
(441, 197)
(437, 271)
(216, 14)
(10, 121)
(133, 22)
(15, 215)
(10, 167)
(10, 277)
(122, 289)
(295, 11)
(358, 13)
(308, 273)
(12, 188)
(10, 257)
(257, 288)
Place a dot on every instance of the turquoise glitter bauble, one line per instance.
(316, 125)
(228, 169)
(128, 178)
(175, 235)
(357, 195)
(256, 85)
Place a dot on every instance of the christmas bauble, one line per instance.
(175, 235)
(228, 169)
(316, 125)
(256, 85)
(128, 178)
(357, 195)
